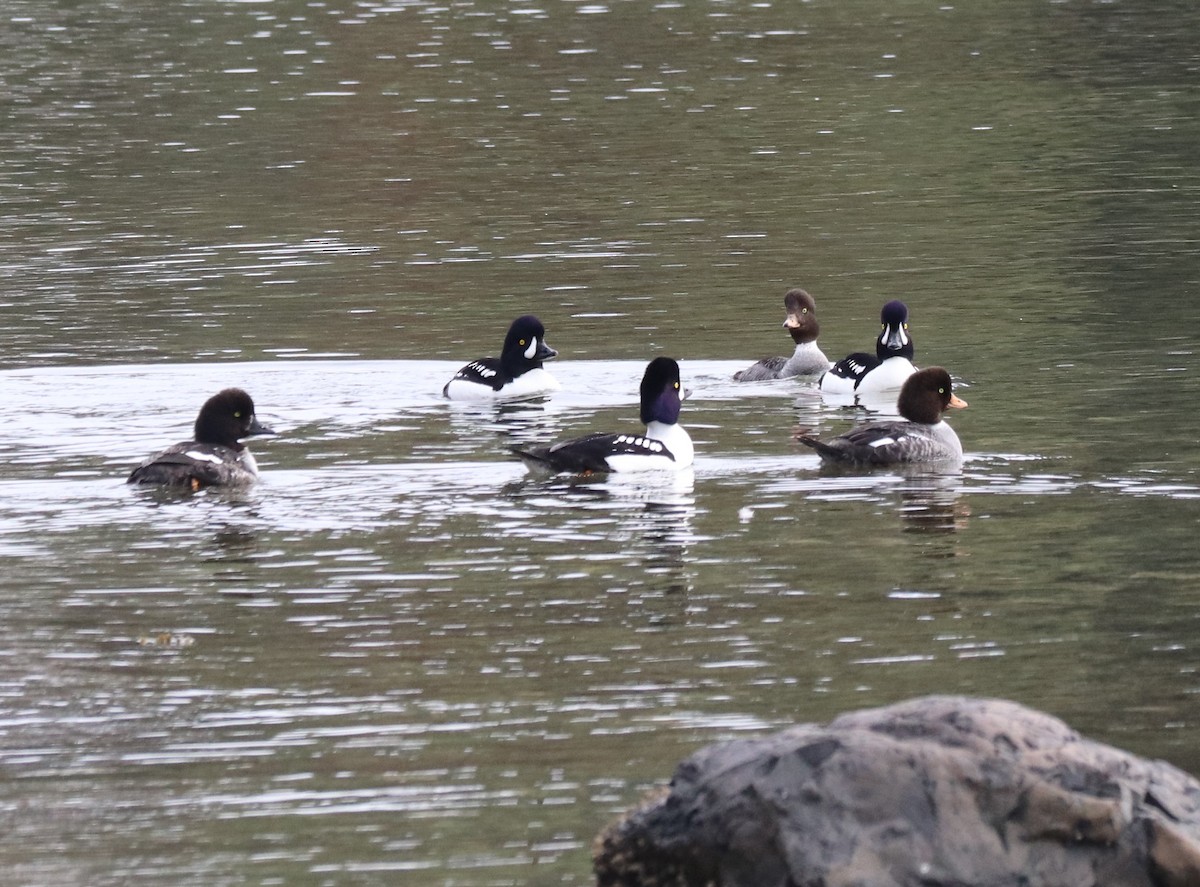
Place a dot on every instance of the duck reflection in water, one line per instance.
(516, 421)
(228, 535)
(649, 515)
(660, 538)
(932, 515)
(931, 503)
(237, 553)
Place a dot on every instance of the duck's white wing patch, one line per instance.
(477, 368)
(203, 457)
(636, 443)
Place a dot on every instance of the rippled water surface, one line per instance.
(400, 659)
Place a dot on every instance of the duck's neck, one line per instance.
(807, 359)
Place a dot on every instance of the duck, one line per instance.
(862, 373)
(517, 372)
(215, 456)
(807, 359)
(664, 445)
(923, 437)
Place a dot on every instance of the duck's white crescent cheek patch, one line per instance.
(203, 457)
(532, 349)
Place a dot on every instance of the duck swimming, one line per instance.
(664, 445)
(923, 437)
(216, 455)
(807, 359)
(517, 372)
(862, 373)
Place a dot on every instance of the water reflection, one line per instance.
(933, 504)
(511, 424)
(226, 528)
(881, 403)
(389, 610)
(649, 516)
(408, 657)
(666, 537)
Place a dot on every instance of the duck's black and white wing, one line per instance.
(881, 443)
(183, 465)
(484, 372)
(843, 377)
(595, 453)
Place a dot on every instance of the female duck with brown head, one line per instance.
(923, 437)
(807, 359)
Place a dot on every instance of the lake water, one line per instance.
(398, 659)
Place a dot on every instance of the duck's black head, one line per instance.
(801, 319)
(226, 418)
(926, 394)
(661, 392)
(525, 346)
(894, 340)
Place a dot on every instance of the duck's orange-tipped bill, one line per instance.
(957, 402)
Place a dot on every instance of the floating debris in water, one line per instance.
(166, 639)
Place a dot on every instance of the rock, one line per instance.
(935, 792)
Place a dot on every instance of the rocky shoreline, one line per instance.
(940, 791)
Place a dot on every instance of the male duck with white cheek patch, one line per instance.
(923, 438)
(886, 369)
(516, 373)
(216, 455)
(665, 445)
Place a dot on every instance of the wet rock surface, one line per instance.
(933, 792)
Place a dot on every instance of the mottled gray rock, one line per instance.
(936, 792)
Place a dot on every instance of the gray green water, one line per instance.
(397, 660)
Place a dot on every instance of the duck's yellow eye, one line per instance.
(941, 391)
(906, 326)
(522, 342)
(676, 386)
(803, 310)
(237, 415)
